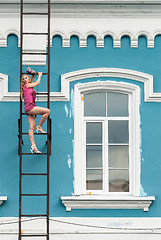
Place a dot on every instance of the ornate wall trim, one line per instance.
(83, 37)
(149, 95)
(2, 199)
(64, 95)
(91, 228)
(100, 38)
(99, 202)
(83, 18)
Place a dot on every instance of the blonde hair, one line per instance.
(22, 85)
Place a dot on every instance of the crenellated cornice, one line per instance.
(82, 18)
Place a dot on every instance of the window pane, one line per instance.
(95, 104)
(118, 131)
(118, 180)
(117, 105)
(93, 132)
(93, 156)
(118, 156)
(94, 179)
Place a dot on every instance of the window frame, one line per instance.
(105, 165)
(134, 102)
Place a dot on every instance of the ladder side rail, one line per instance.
(48, 53)
(20, 123)
(48, 121)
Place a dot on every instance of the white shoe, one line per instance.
(34, 149)
(38, 130)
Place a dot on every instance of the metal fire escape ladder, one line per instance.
(48, 142)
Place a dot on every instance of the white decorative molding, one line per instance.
(88, 9)
(2, 199)
(55, 33)
(134, 42)
(3, 86)
(64, 95)
(32, 60)
(82, 18)
(12, 31)
(139, 2)
(149, 37)
(106, 202)
(149, 95)
(157, 32)
(66, 38)
(91, 228)
(83, 42)
(66, 42)
(75, 33)
(100, 38)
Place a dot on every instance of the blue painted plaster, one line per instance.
(65, 60)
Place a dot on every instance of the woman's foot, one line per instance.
(34, 149)
(39, 129)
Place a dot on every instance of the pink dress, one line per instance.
(29, 99)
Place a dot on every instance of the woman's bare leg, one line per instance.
(40, 111)
(31, 120)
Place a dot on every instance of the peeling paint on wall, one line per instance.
(73, 148)
(120, 224)
(142, 193)
(73, 185)
(70, 130)
(72, 103)
(66, 110)
(140, 133)
(70, 113)
(69, 161)
(73, 161)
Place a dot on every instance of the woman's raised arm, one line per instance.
(34, 84)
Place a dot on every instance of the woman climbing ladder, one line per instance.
(31, 110)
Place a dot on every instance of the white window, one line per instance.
(106, 147)
(107, 139)
(106, 122)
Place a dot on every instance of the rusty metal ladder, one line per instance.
(48, 142)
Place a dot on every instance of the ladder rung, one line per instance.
(32, 53)
(34, 235)
(35, 74)
(34, 154)
(32, 33)
(43, 93)
(32, 13)
(35, 134)
(33, 194)
(34, 174)
(34, 215)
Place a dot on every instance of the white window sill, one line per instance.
(2, 199)
(106, 202)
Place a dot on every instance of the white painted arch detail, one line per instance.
(147, 79)
(66, 37)
(64, 94)
(100, 37)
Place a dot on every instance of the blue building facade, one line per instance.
(105, 155)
